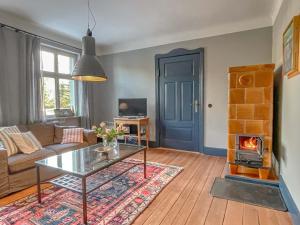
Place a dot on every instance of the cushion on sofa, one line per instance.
(8, 143)
(26, 142)
(44, 132)
(58, 133)
(19, 162)
(72, 135)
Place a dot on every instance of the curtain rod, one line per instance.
(35, 35)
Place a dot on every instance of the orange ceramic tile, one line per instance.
(245, 111)
(269, 67)
(267, 128)
(267, 162)
(268, 95)
(245, 80)
(232, 111)
(244, 68)
(232, 80)
(237, 96)
(263, 112)
(254, 127)
(231, 155)
(263, 173)
(268, 143)
(235, 126)
(231, 141)
(263, 79)
(247, 170)
(254, 95)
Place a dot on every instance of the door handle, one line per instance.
(196, 104)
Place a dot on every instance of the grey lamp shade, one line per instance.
(88, 67)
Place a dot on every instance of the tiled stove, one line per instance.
(250, 118)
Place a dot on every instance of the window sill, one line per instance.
(61, 118)
(66, 121)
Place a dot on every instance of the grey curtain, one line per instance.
(20, 78)
(85, 104)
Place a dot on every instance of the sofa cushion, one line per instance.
(26, 142)
(20, 162)
(44, 132)
(8, 143)
(61, 148)
(73, 135)
(58, 133)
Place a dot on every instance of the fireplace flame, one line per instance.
(250, 143)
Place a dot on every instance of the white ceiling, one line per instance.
(132, 24)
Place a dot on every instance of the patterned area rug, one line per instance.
(115, 203)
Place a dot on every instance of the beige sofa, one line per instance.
(18, 171)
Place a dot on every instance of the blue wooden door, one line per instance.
(179, 101)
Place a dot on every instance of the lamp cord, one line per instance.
(91, 12)
(88, 14)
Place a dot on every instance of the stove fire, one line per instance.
(249, 150)
(248, 143)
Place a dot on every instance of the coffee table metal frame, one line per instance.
(84, 191)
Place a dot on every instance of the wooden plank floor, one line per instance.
(186, 200)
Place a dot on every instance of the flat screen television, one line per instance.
(132, 107)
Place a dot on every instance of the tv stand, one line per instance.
(131, 117)
(139, 122)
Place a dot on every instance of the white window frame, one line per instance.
(57, 76)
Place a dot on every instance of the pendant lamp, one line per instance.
(88, 67)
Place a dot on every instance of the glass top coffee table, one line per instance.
(80, 164)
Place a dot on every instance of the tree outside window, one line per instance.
(58, 87)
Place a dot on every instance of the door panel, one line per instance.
(187, 91)
(178, 68)
(170, 101)
(179, 90)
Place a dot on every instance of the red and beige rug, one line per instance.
(118, 202)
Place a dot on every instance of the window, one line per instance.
(58, 86)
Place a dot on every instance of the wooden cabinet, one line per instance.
(140, 123)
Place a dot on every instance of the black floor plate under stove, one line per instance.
(250, 193)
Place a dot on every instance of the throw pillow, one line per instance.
(8, 143)
(26, 142)
(59, 131)
(72, 135)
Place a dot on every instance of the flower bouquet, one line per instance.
(108, 134)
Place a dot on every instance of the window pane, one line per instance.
(49, 95)
(47, 63)
(64, 64)
(66, 93)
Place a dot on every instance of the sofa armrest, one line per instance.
(4, 184)
(3, 162)
(90, 137)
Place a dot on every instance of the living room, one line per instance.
(139, 112)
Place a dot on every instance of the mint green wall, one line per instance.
(131, 74)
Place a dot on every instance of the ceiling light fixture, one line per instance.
(88, 67)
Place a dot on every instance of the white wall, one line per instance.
(131, 74)
(289, 151)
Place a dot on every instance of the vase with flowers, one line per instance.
(109, 134)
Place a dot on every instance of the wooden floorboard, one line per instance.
(170, 194)
(186, 200)
(234, 213)
(183, 207)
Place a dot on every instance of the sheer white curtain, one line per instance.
(20, 78)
